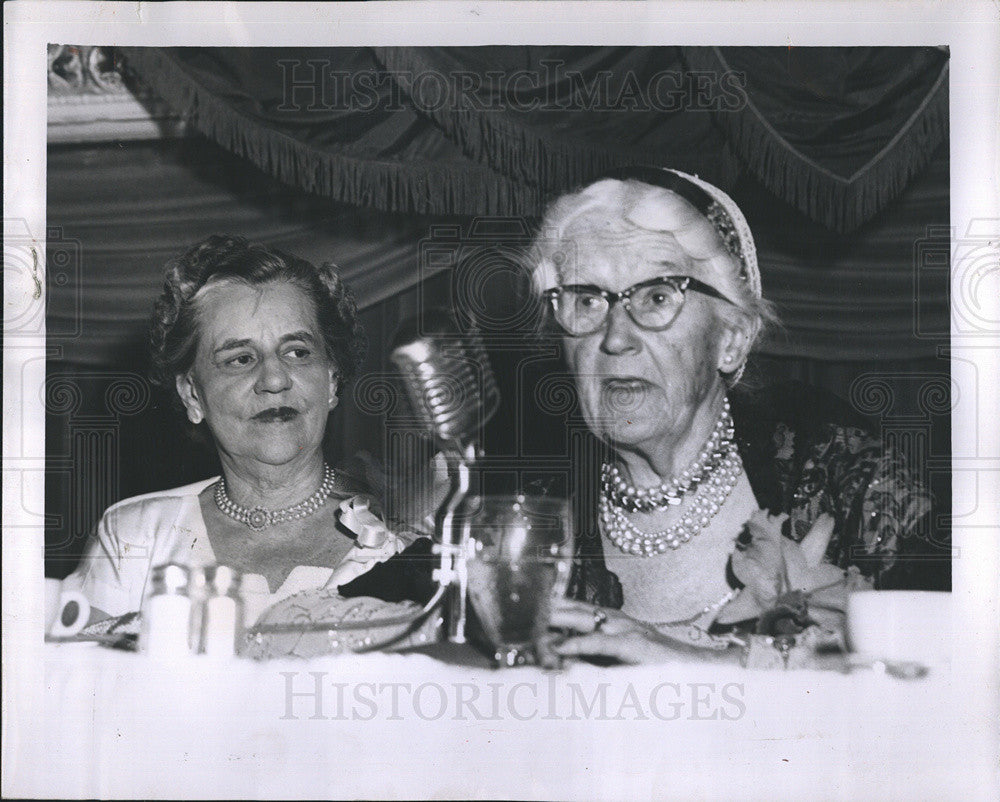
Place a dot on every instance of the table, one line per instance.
(115, 724)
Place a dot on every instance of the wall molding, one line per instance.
(91, 99)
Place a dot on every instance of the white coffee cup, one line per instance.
(900, 625)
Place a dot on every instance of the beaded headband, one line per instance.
(720, 210)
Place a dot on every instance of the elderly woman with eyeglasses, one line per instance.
(652, 278)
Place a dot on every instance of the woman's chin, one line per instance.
(280, 443)
(632, 431)
(281, 453)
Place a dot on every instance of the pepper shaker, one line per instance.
(222, 612)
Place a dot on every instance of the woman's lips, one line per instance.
(623, 395)
(276, 415)
(620, 383)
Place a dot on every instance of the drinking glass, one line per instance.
(520, 554)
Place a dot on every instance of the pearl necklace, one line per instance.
(712, 492)
(621, 494)
(260, 518)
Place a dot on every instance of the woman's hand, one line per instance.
(612, 633)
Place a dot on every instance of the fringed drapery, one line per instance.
(837, 133)
(880, 293)
(558, 117)
(385, 157)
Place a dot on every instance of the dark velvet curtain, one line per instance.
(835, 132)
(878, 294)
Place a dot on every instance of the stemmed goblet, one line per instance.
(519, 559)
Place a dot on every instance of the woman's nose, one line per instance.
(619, 334)
(273, 377)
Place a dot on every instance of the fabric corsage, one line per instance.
(374, 543)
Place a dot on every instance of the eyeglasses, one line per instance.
(653, 305)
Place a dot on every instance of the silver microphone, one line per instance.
(448, 378)
(452, 392)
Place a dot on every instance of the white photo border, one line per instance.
(970, 29)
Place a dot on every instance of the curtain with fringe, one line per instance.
(837, 133)
(556, 117)
(326, 121)
(880, 294)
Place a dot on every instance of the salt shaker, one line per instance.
(166, 618)
(197, 591)
(222, 612)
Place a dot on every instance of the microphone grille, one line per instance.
(449, 382)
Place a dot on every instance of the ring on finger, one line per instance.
(600, 619)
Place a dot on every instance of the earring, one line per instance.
(728, 359)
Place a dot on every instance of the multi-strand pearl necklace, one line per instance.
(703, 506)
(713, 473)
(631, 499)
(259, 518)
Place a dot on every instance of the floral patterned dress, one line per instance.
(805, 453)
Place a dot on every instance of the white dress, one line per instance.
(167, 526)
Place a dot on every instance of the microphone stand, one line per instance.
(453, 542)
(451, 576)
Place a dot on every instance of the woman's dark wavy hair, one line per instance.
(174, 334)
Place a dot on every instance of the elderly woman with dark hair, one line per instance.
(255, 345)
(653, 281)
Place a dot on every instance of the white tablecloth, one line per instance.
(114, 724)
